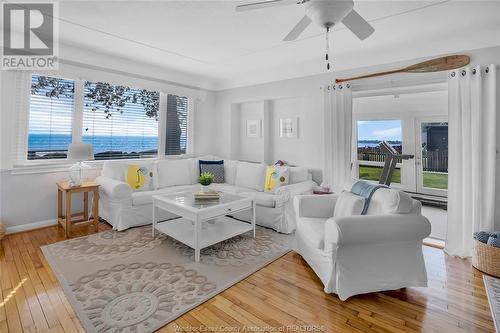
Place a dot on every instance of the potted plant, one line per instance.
(206, 178)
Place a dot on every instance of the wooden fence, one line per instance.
(435, 161)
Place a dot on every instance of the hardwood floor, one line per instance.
(285, 294)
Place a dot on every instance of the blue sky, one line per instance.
(379, 130)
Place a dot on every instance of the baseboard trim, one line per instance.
(30, 226)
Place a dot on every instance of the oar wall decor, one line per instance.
(434, 65)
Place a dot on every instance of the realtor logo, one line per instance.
(29, 38)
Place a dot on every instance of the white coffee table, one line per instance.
(204, 223)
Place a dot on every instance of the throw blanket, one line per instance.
(365, 190)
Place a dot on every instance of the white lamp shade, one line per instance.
(79, 151)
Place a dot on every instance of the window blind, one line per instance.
(176, 125)
(50, 117)
(117, 123)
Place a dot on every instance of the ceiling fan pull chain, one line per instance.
(327, 49)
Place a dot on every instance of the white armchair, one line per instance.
(355, 254)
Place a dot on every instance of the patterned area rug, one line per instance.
(492, 286)
(129, 281)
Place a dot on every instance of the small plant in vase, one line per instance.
(206, 178)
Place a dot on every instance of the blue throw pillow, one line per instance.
(481, 236)
(214, 167)
(493, 241)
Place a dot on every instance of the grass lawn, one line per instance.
(431, 179)
(436, 180)
(373, 173)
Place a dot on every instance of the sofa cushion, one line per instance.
(298, 175)
(389, 201)
(313, 230)
(173, 172)
(228, 188)
(261, 198)
(146, 197)
(251, 175)
(348, 204)
(216, 168)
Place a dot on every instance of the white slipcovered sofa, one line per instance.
(123, 208)
(355, 254)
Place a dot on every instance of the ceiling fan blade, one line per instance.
(264, 4)
(298, 29)
(358, 25)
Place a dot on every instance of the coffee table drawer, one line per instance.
(225, 209)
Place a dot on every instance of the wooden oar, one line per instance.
(434, 65)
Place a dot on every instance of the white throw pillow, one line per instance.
(348, 204)
(251, 175)
(230, 171)
(173, 172)
(389, 201)
(298, 175)
(114, 170)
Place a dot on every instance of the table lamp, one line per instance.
(79, 151)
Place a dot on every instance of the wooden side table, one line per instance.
(66, 220)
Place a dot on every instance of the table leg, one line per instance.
(67, 220)
(85, 206)
(59, 206)
(96, 210)
(197, 236)
(154, 218)
(254, 206)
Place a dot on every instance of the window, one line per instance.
(50, 118)
(120, 122)
(177, 125)
(370, 157)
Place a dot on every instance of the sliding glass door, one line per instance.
(424, 137)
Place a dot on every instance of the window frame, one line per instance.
(20, 150)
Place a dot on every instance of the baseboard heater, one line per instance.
(430, 200)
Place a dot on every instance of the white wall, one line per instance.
(29, 196)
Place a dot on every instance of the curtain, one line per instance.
(472, 156)
(337, 123)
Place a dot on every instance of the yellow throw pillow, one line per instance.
(139, 177)
(276, 176)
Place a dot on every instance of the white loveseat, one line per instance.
(355, 254)
(123, 208)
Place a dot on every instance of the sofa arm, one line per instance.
(287, 192)
(318, 206)
(113, 188)
(369, 229)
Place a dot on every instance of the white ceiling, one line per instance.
(209, 39)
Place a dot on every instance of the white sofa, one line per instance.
(355, 254)
(123, 208)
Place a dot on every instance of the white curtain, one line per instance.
(337, 123)
(472, 156)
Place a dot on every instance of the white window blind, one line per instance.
(50, 117)
(176, 125)
(118, 123)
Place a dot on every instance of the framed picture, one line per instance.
(253, 128)
(289, 128)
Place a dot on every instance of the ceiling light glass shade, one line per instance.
(79, 152)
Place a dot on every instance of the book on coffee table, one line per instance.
(211, 195)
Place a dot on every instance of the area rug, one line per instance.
(492, 286)
(129, 281)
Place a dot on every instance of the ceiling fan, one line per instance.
(325, 13)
